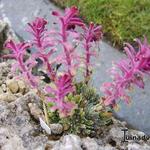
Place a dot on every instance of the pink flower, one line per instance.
(143, 56)
(46, 62)
(64, 86)
(18, 53)
(68, 21)
(18, 50)
(127, 73)
(38, 29)
(91, 34)
(42, 41)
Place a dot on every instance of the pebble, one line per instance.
(9, 140)
(90, 144)
(10, 76)
(69, 142)
(4, 88)
(12, 85)
(56, 128)
(16, 86)
(8, 97)
(22, 86)
(35, 111)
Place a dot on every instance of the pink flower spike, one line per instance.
(128, 72)
(38, 29)
(91, 34)
(68, 23)
(63, 88)
(18, 53)
(17, 49)
(42, 41)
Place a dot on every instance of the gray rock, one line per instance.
(9, 140)
(35, 111)
(68, 142)
(56, 128)
(115, 136)
(4, 111)
(8, 97)
(17, 86)
(13, 86)
(4, 29)
(136, 146)
(90, 144)
(4, 70)
(108, 147)
(16, 115)
(4, 87)
(22, 87)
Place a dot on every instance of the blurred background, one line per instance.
(122, 20)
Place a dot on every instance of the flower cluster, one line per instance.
(128, 72)
(68, 22)
(42, 41)
(91, 34)
(37, 29)
(63, 86)
(45, 43)
(18, 53)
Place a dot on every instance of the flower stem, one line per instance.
(41, 95)
(45, 113)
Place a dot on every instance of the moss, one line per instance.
(122, 20)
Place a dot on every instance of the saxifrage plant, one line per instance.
(66, 100)
(128, 72)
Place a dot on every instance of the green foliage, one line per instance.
(122, 20)
(89, 94)
(89, 114)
